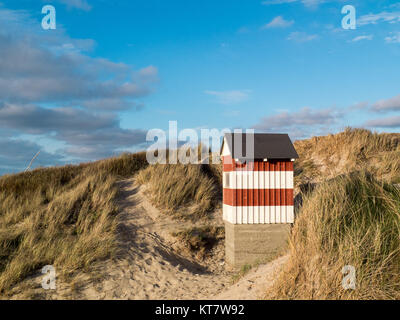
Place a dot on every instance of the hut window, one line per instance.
(226, 179)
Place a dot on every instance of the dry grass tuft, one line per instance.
(186, 191)
(62, 216)
(200, 240)
(350, 220)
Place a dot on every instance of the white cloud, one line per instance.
(382, 106)
(278, 22)
(392, 104)
(44, 67)
(360, 38)
(391, 17)
(300, 124)
(230, 97)
(301, 37)
(312, 3)
(270, 2)
(306, 116)
(394, 38)
(77, 4)
(389, 122)
(307, 3)
(50, 88)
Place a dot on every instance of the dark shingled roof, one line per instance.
(266, 146)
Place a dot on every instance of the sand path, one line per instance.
(254, 285)
(151, 265)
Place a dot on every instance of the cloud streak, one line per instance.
(76, 4)
(300, 124)
(301, 37)
(230, 97)
(361, 38)
(384, 105)
(393, 38)
(389, 122)
(307, 3)
(278, 22)
(375, 18)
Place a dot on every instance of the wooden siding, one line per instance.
(259, 192)
(258, 214)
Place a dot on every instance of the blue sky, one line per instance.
(114, 69)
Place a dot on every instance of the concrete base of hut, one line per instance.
(248, 244)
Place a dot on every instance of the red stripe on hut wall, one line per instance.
(265, 197)
(230, 164)
(256, 193)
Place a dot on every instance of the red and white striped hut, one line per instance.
(258, 187)
(258, 204)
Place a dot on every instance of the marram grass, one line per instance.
(63, 216)
(351, 220)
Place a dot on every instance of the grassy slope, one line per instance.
(67, 217)
(190, 192)
(325, 157)
(62, 216)
(351, 218)
(186, 191)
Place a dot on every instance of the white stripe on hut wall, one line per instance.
(258, 214)
(258, 180)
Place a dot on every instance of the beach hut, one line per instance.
(258, 203)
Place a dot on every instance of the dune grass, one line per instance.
(63, 216)
(352, 217)
(350, 220)
(185, 191)
(351, 150)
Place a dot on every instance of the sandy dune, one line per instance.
(152, 264)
